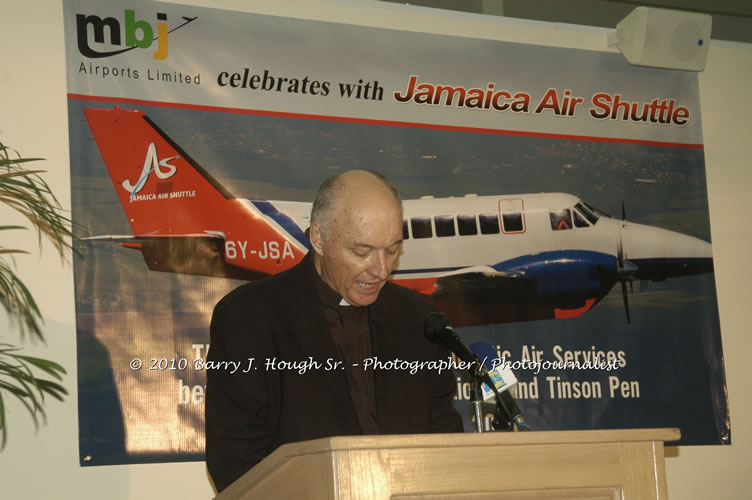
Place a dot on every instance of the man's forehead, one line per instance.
(364, 234)
(380, 230)
(366, 244)
(368, 207)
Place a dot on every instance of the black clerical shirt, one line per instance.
(348, 326)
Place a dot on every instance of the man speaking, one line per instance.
(310, 331)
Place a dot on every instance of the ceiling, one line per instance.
(732, 19)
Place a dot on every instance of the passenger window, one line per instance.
(444, 225)
(561, 219)
(579, 220)
(421, 227)
(513, 222)
(466, 225)
(489, 223)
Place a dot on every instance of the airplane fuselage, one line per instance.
(544, 255)
(552, 239)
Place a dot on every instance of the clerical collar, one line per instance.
(327, 295)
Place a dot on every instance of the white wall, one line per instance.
(33, 119)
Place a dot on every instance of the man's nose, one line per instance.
(380, 266)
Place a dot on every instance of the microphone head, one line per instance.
(434, 323)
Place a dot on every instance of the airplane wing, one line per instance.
(196, 254)
(479, 295)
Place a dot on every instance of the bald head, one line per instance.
(344, 191)
(356, 234)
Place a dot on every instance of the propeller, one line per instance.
(631, 289)
(619, 268)
(624, 268)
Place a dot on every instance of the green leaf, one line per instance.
(12, 250)
(6, 162)
(55, 390)
(3, 429)
(46, 365)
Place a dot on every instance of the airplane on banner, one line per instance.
(480, 259)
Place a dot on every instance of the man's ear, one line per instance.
(317, 241)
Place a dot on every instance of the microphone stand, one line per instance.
(477, 398)
(437, 329)
(501, 422)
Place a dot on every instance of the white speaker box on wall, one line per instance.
(664, 38)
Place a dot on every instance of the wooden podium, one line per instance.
(561, 465)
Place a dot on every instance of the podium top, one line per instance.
(336, 465)
(340, 443)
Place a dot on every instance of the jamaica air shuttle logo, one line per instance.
(132, 32)
(151, 164)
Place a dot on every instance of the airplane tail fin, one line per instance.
(167, 195)
(148, 169)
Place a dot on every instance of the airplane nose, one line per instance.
(660, 253)
(682, 246)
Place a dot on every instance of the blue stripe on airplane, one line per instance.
(565, 271)
(283, 220)
(583, 272)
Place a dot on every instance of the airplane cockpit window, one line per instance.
(513, 222)
(591, 215)
(421, 227)
(405, 233)
(444, 225)
(596, 211)
(467, 225)
(579, 220)
(489, 223)
(561, 219)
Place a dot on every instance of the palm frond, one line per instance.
(18, 378)
(29, 379)
(18, 302)
(27, 193)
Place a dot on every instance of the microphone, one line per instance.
(437, 329)
(501, 375)
(504, 380)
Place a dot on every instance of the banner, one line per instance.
(555, 208)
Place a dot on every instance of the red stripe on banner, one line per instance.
(369, 121)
